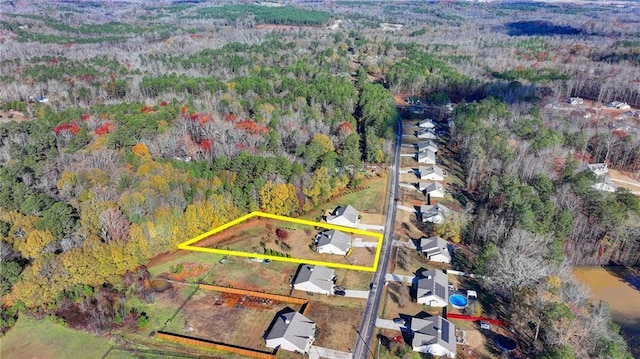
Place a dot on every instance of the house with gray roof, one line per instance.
(431, 172)
(346, 216)
(435, 249)
(427, 145)
(291, 331)
(333, 242)
(424, 133)
(432, 288)
(426, 123)
(433, 189)
(434, 213)
(426, 157)
(434, 335)
(315, 279)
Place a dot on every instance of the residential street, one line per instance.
(367, 327)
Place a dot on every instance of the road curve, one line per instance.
(362, 349)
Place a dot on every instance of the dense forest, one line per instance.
(127, 134)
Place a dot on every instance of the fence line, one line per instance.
(281, 298)
(218, 346)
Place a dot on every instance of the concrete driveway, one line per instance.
(359, 243)
(390, 277)
(370, 227)
(388, 324)
(317, 352)
(363, 294)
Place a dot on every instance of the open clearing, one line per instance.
(44, 339)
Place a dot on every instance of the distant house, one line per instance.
(426, 123)
(291, 331)
(315, 279)
(434, 335)
(427, 157)
(604, 186)
(432, 288)
(428, 145)
(433, 213)
(433, 189)
(424, 133)
(575, 101)
(346, 216)
(435, 249)
(619, 105)
(432, 173)
(599, 169)
(333, 242)
(43, 99)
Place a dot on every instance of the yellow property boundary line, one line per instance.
(188, 245)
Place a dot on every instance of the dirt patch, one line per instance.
(333, 333)
(626, 180)
(12, 115)
(234, 319)
(186, 271)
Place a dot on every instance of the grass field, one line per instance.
(368, 200)
(44, 339)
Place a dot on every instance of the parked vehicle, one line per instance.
(339, 293)
(399, 321)
(223, 260)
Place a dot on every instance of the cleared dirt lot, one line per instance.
(228, 318)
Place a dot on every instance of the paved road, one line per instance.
(317, 352)
(365, 333)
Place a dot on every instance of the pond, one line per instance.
(620, 287)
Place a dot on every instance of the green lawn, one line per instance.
(31, 338)
(369, 200)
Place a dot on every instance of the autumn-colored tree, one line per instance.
(278, 199)
(140, 150)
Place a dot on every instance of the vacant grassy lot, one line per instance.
(45, 339)
(371, 199)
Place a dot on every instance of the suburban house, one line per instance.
(291, 331)
(426, 123)
(435, 249)
(433, 213)
(426, 157)
(575, 101)
(433, 189)
(432, 172)
(346, 216)
(432, 288)
(619, 105)
(599, 169)
(333, 242)
(315, 279)
(424, 133)
(428, 145)
(434, 335)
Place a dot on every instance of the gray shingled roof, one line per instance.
(293, 327)
(320, 276)
(433, 282)
(339, 239)
(348, 212)
(433, 330)
(434, 245)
